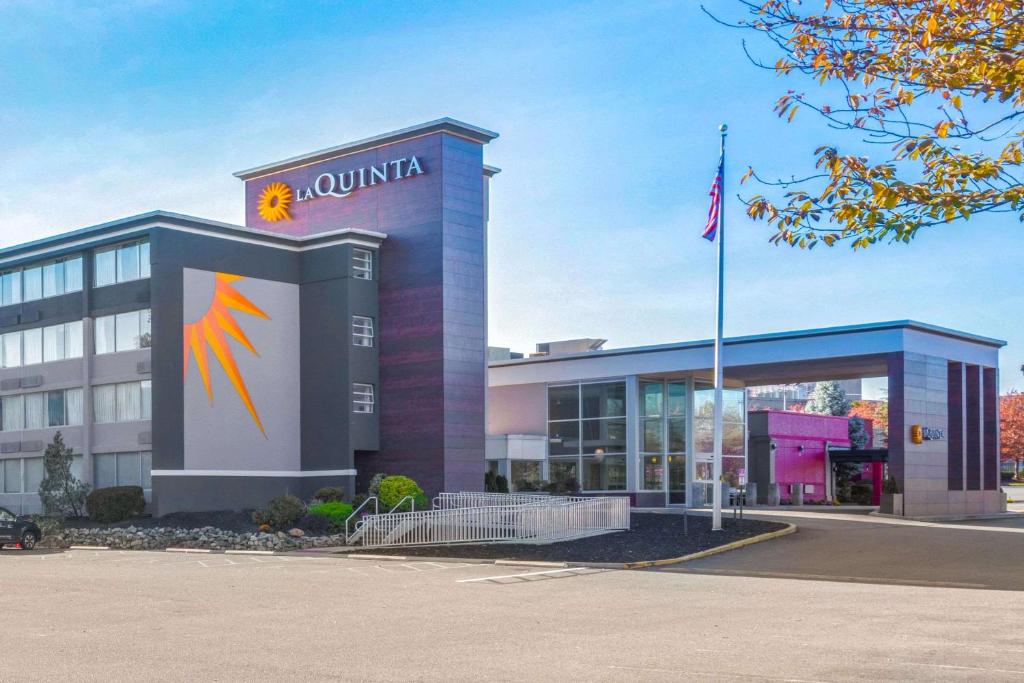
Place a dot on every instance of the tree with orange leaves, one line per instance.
(937, 83)
(1011, 429)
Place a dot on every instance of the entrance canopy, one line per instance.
(847, 352)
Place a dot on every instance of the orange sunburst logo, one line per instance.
(211, 332)
(274, 202)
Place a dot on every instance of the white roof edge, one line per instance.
(452, 125)
(770, 336)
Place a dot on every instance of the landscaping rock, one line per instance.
(158, 538)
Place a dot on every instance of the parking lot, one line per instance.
(112, 615)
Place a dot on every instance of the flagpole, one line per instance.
(716, 512)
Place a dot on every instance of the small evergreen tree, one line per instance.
(828, 398)
(62, 494)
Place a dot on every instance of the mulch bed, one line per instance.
(225, 519)
(652, 536)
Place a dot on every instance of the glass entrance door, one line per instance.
(703, 478)
(677, 480)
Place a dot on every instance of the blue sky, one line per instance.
(607, 113)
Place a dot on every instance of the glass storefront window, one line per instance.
(654, 472)
(604, 400)
(677, 435)
(604, 436)
(604, 473)
(564, 403)
(652, 435)
(563, 438)
(527, 471)
(732, 468)
(676, 479)
(563, 471)
(652, 398)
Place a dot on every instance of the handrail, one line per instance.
(399, 504)
(376, 511)
(495, 518)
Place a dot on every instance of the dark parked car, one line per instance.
(18, 530)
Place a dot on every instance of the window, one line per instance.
(58, 408)
(362, 264)
(588, 421)
(663, 419)
(362, 330)
(41, 344)
(524, 471)
(123, 263)
(733, 422)
(12, 475)
(124, 402)
(49, 279)
(10, 288)
(123, 332)
(362, 398)
(122, 469)
(33, 469)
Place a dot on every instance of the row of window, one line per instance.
(41, 344)
(23, 475)
(124, 331)
(39, 282)
(123, 402)
(121, 263)
(60, 408)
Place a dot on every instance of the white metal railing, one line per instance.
(509, 518)
(475, 499)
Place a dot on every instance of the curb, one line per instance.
(88, 547)
(790, 529)
(204, 551)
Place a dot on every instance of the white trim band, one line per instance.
(252, 473)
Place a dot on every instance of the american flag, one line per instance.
(711, 227)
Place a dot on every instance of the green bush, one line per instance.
(280, 512)
(115, 504)
(394, 489)
(329, 494)
(337, 512)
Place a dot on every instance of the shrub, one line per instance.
(335, 513)
(317, 525)
(115, 504)
(329, 494)
(394, 489)
(891, 486)
(280, 512)
(489, 485)
(501, 483)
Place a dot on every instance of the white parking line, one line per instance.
(520, 576)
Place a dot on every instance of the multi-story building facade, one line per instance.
(341, 332)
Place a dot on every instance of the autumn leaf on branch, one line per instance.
(908, 73)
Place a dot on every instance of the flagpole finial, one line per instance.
(723, 128)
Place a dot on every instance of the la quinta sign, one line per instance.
(275, 200)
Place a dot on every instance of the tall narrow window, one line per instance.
(106, 267)
(362, 398)
(32, 346)
(73, 274)
(11, 349)
(10, 288)
(35, 411)
(362, 264)
(104, 403)
(73, 406)
(106, 342)
(32, 283)
(362, 330)
(13, 413)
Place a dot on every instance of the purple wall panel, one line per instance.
(972, 429)
(990, 449)
(955, 397)
(897, 421)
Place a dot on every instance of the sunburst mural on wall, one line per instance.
(211, 332)
(274, 201)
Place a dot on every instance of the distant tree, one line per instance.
(1011, 428)
(828, 398)
(935, 85)
(876, 411)
(62, 494)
